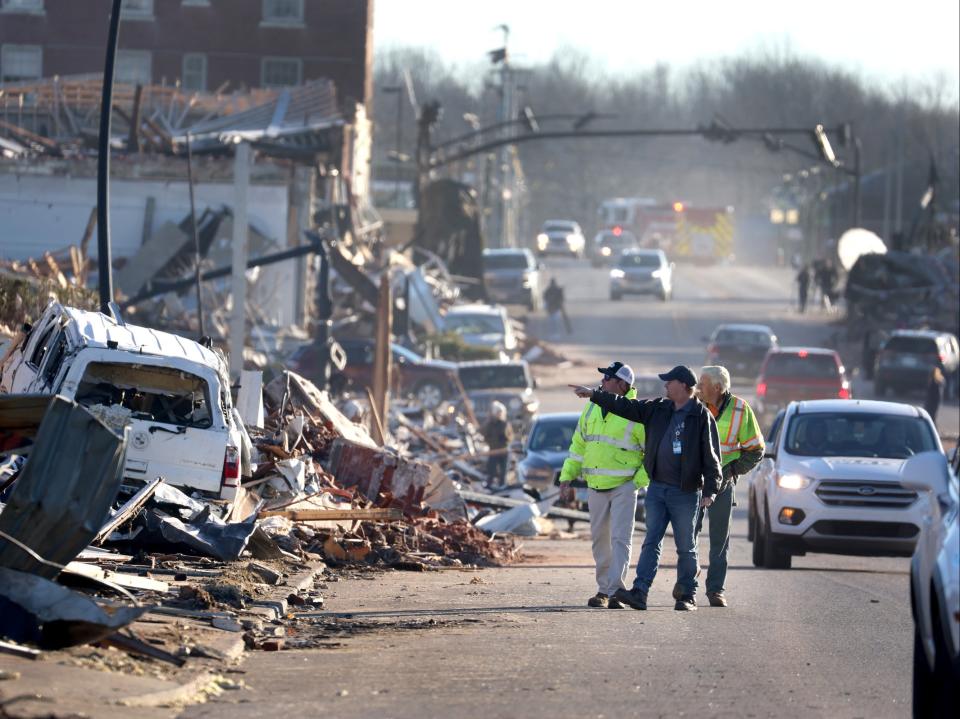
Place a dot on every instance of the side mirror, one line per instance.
(926, 472)
(771, 454)
(535, 383)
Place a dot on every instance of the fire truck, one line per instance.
(683, 231)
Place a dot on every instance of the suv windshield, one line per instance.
(858, 435)
(475, 324)
(797, 365)
(551, 436)
(913, 345)
(632, 260)
(506, 261)
(743, 337)
(494, 376)
(559, 228)
(157, 394)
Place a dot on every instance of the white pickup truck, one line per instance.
(172, 392)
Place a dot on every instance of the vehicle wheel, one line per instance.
(429, 394)
(923, 685)
(640, 514)
(615, 296)
(774, 556)
(751, 532)
(757, 542)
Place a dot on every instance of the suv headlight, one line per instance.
(542, 241)
(793, 481)
(605, 251)
(617, 274)
(572, 240)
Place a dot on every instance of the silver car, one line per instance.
(642, 272)
(935, 586)
(512, 276)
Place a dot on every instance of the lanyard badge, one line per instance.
(677, 446)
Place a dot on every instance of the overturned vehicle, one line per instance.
(172, 393)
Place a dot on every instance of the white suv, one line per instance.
(935, 586)
(172, 392)
(830, 481)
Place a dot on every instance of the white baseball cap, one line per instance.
(618, 370)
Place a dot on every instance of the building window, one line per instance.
(280, 71)
(136, 10)
(194, 72)
(21, 62)
(283, 12)
(28, 6)
(134, 67)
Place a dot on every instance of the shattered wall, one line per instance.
(45, 212)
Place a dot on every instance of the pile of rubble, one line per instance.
(155, 565)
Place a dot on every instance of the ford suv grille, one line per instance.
(863, 493)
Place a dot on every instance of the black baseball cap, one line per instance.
(681, 373)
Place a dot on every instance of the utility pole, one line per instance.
(500, 235)
(238, 318)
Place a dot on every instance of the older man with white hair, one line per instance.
(741, 448)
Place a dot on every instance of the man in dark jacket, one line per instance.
(682, 459)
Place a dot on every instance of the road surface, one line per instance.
(831, 637)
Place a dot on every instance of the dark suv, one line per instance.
(740, 348)
(430, 382)
(906, 360)
(798, 373)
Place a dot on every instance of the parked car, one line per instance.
(561, 237)
(830, 481)
(544, 453)
(935, 585)
(545, 450)
(483, 326)
(642, 272)
(512, 276)
(429, 382)
(608, 244)
(508, 382)
(741, 348)
(907, 358)
(171, 392)
(798, 373)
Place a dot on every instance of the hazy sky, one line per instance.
(882, 39)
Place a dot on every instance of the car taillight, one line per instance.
(231, 467)
(843, 393)
(761, 389)
(712, 349)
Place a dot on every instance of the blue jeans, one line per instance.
(664, 504)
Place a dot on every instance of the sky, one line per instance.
(884, 41)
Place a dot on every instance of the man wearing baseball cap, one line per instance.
(682, 459)
(607, 453)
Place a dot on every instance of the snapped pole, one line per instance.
(104, 263)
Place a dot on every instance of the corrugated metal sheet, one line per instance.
(295, 111)
(64, 492)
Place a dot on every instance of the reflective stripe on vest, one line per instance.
(619, 444)
(609, 472)
(575, 457)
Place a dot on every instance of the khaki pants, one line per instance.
(611, 529)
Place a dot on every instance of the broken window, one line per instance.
(40, 349)
(281, 71)
(158, 394)
(55, 358)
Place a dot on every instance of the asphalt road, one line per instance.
(831, 637)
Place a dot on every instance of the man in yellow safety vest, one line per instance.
(741, 449)
(607, 452)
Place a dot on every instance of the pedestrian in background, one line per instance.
(682, 459)
(607, 452)
(553, 300)
(497, 433)
(803, 287)
(934, 393)
(741, 449)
